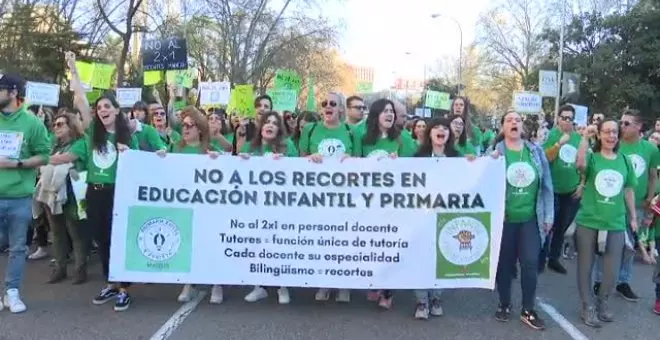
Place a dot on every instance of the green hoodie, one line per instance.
(22, 135)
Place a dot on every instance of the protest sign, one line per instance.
(527, 102)
(103, 74)
(214, 93)
(287, 80)
(548, 83)
(242, 101)
(128, 96)
(581, 114)
(290, 222)
(42, 93)
(79, 187)
(437, 100)
(11, 143)
(284, 100)
(183, 78)
(152, 77)
(165, 54)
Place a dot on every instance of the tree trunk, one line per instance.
(121, 65)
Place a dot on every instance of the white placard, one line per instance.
(216, 93)
(548, 83)
(42, 94)
(290, 222)
(128, 96)
(527, 102)
(581, 114)
(80, 191)
(11, 143)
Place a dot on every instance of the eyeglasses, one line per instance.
(457, 123)
(188, 126)
(359, 108)
(332, 103)
(59, 124)
(566, 118)
(159, 113)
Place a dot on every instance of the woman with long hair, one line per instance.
(302, 120)
(459, 130)
(381, 136)
(608, 198)
(109, 134)
(461, 106)
(68, 232)
(270, 141)
(219, 131)
(289, 122)
(196, 140)
(417, 128)
(528, 217)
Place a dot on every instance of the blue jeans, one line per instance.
(520, 242)
(566, 207)
(15, 219)
(628, 257)
(657, 285)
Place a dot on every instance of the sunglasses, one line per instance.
(60, 124)
(359, 108)
(188, 126)
(332, 103)
(566, 118)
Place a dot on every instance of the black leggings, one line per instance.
(40, 226)
(100, 199)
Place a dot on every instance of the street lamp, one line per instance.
(460, 52)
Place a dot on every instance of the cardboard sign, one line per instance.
(42, 94)
(216, 93)
(527, 102)
(165, 54)
(128, 96)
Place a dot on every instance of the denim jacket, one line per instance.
(545, 198)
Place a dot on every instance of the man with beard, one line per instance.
(24, 146)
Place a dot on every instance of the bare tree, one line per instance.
(125, 11)
(510, 35)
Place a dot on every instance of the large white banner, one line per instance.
(363, 223)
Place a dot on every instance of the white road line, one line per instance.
(566, 325)
(177, 318)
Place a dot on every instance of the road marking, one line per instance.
(566, 325)
(178, 318)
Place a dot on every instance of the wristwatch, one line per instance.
(19, 164)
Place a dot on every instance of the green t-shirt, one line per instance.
(267, 150)
(467, 149)
(336, 142)
(101, 167)
(487, 139)
(477, 137)
(149, 139)
(403, 146)
(522, 185)
(643, 156)
(565, 175)
(187, 149)
(603, 205)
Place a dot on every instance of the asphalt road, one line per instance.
(64, 311)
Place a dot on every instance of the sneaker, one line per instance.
(656, 308)
(123, 301)
(589, 316)
(385, 303)
(343, 295)
(13, 301)
(258, 293)
(187, 294)
(436, 308)
(531, 319)
(503, 313)
(556, 267)
(216, 295)
(106, 294)
(323, 294)
(39, 254)
(422, 312)
(626, 292)
(283, 297)
(596, 288)
(373, 295)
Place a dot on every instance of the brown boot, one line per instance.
(58, 275)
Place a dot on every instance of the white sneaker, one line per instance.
(13, 301)
(187, 294)
(283, 296)
(323, 294)
(38, 254)
(344, 295)
(216, 295)
(258, 293)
